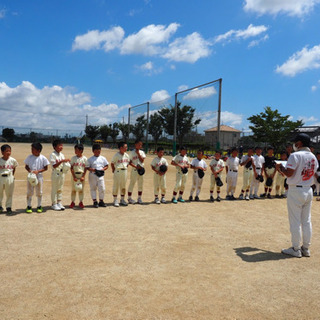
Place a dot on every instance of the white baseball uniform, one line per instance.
(181, 178)
(258, 162)
(36, 163)
(134, 177)
(232, 175)
(280, 184)
(196, 181)
(120, 162)
(216, 165)
(247, 174)
(317, 174)
(7, 179)
(57, 177)
(300, 195)
(78, 165)
(96, 182)
(159, 182)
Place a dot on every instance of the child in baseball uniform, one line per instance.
(79, 164)
(232, 166)
(317, 177)
(216, 165)
(258, 169)
(280, 178)
(159, 176)
(98, 164)
(57, 161)
(35, 163)
(270, 171)
(8, 167)
(246, 162)
(197, 164)
(181, 162)
(119, 165)
(137, 157)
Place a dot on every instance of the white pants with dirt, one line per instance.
(135, 177)
(232, 178)
(247, 178)
(255, 184)
(119, 182)
(37, 188)
(213, 183)
(57, 181)
(7, 186)
(196, 184)
(299, 202)
(181, 180)
(95, 183)
(159, 184)
(280, 189)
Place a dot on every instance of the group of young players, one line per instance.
(257, 169)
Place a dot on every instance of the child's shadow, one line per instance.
(249, 254)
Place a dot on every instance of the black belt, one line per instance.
(121, 169)
(4, 175)
(234, 170)
(258, 168)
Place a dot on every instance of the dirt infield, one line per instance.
(170, 261)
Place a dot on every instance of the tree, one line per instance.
(155, 127)
(8, 134)
(33, 136)
(114, 131)
(104, 133)
(185, 121)
(273, 128)
(124, 128)
(92, 132)
(139, 128)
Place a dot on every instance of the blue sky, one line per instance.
(61, 60)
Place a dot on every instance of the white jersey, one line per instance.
(7, 166)
(199, 163)
(56, 157)
(258, 161)
(78, 164)
(233, 163)
(36, 163)
(216, 165)
(135, 159)
(120, 161)
(97, 162)
(157, 162)
(305, 165)
(244, 158)
(181, 160)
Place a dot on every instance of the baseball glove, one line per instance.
(260, 178)
(184, 170)
(163, 168)
(200, 173)
(99, 173)
(219, 182)
(269, 182)
(248, 165)
(141, 170)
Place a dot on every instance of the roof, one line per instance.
(223, 128)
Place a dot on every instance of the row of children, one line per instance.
(257, 168)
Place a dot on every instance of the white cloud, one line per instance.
(250, 32)
(255, 43)
(291, 7)
(159, 96)
(307, 119)
(149, 68)
(2, 13)
(314, 88)
(189, 49)
(200, 93)
(306, 59)
(183, 87)
(209, 119)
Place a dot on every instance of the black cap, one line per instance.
(304, 138)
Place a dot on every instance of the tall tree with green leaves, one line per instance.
(156, 127)
(104, 133)
(124, 128)
(8, 134)
(273, 128)
(114, 131)
(139, 127)
(92, 132)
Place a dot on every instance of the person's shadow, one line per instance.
(249, 254)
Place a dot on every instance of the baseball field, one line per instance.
(193, 260)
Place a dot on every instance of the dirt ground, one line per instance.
(170, 261)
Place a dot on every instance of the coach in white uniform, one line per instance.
(300, 169)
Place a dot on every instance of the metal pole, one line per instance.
(219, 116)
(175, 125)
(147, 145)
(128, 126)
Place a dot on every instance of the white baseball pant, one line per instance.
(30, 191)
(255, 183)
(74, 192)
(95, 183)
(57, 181)
(280, 184)
(7, 186)
(213, 183)
(196, 184)
(181, 180)
(135, 177)
(119, 182)
(159, 183)
(269, 172)
(247, 178)
(232, 178)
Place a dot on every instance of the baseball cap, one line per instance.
(304, 138)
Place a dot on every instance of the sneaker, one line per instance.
(241, 196)
(247, 197)
(59, 204)
(196, 198)
(81, 205)
(163, 200)
(251, 197)
(123, 202)
(116, 203)
(55, 207)
(278, 196)
(29, 209)
(232, 198)
(1, 209)
(140, 201)
(228, 197)
(190, 198)
(102, 204)
(263, 195)
(269, 196)
(157, 201)
(218, 198)
(9, 210)
(284, 196)
(211, 198)
(72, 204)
(174, 200)
(39, 209)
(180, 199)
(131, 201)
(305, 252)
(95, 204)
(292, 252)
(256, 197)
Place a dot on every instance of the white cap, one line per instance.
(66, 167)
(78, 186)
(32, 178)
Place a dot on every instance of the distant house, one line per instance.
(229, 136)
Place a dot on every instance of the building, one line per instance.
(229, 136)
